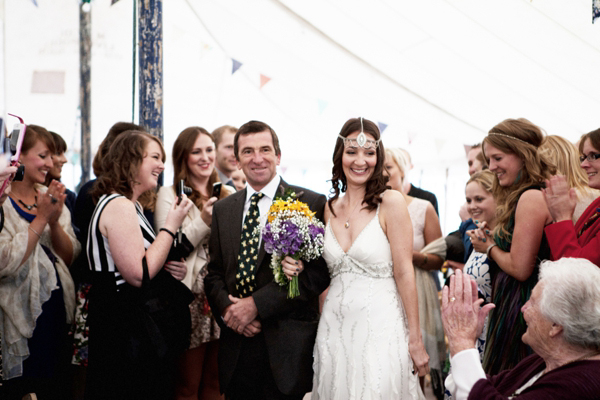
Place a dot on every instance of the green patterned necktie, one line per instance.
(245, 278)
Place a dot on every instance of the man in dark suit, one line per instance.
(266, 344)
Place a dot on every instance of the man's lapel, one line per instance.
(235, 221)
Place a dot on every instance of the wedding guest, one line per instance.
(565, 156)
(563, 321)
(37, 244)
(194, 163)
(226, 163)
(474, 160)
(426, 229)
(583, 238)
(517, 243)
(127, 360)
(239, 179)
(58, 160)
(413, 191)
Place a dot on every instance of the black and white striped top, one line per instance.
(98, 250)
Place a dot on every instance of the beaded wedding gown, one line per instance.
(361, 350)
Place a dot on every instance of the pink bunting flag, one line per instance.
(467, 148)
(236, 65)
(264, 80)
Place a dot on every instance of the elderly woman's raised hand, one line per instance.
(50, 204)
(462, 315)
(560, 198)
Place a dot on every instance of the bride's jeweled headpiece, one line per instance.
(361, 140)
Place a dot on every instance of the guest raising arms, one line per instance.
(517, 243)
(194, 163)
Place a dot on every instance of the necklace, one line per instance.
(347, 224)
(29, 207)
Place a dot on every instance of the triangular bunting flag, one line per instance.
(264, 80)
(381, 126)
(467, 148)
(322, 105)
(113, 2)
(34, 2)
(236, 65)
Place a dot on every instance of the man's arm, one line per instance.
(215, 285)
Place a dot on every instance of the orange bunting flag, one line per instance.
(264, 80)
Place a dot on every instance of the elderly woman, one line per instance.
(563, 328)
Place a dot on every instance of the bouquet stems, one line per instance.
(293, 287)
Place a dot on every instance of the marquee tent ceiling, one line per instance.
(436, 75)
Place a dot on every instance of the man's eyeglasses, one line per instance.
(590, 157)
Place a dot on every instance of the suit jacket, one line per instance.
(563, 240)
(289, 326)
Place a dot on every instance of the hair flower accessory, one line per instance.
(291, 229)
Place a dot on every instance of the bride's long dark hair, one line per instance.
(376, 184)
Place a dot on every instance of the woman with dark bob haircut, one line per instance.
(369, 329)
(121, 244)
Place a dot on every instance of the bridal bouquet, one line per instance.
(291, 230)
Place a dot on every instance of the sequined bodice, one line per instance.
(370, 254)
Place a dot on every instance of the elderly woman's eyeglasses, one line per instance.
(590, 157)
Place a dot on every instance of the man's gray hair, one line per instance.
(571, 298)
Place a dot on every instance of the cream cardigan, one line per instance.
(25, 288)
(194, 228)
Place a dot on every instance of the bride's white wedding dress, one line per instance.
(361, 350)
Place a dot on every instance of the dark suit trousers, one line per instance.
(252, 378)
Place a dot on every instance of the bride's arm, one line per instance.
(396, 223)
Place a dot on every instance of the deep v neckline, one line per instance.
(356, 238)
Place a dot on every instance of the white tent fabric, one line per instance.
(437, 74)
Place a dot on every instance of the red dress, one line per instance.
(568, 240)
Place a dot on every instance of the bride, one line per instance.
(369, 343)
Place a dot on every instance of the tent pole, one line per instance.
(85, 89)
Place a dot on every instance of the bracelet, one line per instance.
(490, 249)
(33, 230)
(168, 231)
(424, 261)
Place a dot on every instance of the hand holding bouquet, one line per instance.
(291, 230)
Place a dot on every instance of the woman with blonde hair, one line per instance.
(194, 164)
(566, 237)
(426, 229)
(565, 156)
(517, 243)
